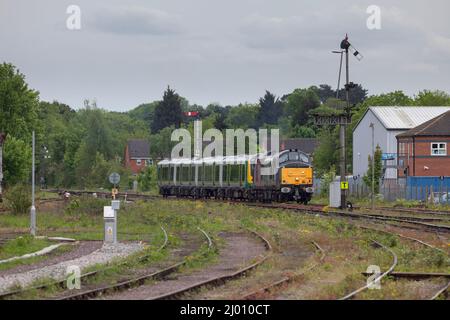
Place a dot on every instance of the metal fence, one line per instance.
(431, 189)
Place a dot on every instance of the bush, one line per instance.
(18, 199)
(86, 205)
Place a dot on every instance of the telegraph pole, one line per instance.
(344, 45)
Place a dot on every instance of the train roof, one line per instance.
(265, 158)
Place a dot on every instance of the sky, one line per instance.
(210, 51)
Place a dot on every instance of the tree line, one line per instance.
(79, 148)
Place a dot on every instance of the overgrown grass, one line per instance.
(22, 245)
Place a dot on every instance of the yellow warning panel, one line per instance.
(344, 185)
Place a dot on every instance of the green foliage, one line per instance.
(18, 103)
(326, 156)
(161, 144)
(21, 245)
(243, 116)
(327, 178)
(148, 179)
(86, 205)
(377, 172)
(432, 98)
(16, 160)
(302, 132)
(300, 103)
(18, 199)
(271, 108)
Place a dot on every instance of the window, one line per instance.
(138, 162)
(149, 162)
(438, 149)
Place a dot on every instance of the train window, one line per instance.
(172, 173)
(283, 158)
(208, 173)
(192, 174)
(234, 173)
(185, 173)
(242, 173)
(225, 175)
(200, 174)
(178, 171)
(217, 174)
(304, 158)
(294, 156)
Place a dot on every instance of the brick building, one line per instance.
(424, 150)
(137, 155)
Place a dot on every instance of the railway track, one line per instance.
(352, 215)
(285, 280)
(216, 281)
(352, 294)
(316, 209)
(402, 275)
(133, 282)
(83, 277)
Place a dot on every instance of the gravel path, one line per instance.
(79, 250)
(240, 249)
(105, 254)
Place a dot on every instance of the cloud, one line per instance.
(137, 21)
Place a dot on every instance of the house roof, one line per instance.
(307, 145)
(403, 118)
(138, 148)
(438, 126)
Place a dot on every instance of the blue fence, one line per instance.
(422, 188)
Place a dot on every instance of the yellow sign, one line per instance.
(344, 185)
(114, 192)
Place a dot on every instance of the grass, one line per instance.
(22, 245)
(349, 250)
(29, 261)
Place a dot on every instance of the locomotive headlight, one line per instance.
(285, 190)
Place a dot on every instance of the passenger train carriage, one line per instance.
(239, 177)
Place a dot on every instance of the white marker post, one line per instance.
(110, 218)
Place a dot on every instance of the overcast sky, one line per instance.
(226, 51)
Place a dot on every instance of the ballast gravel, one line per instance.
(106, 254)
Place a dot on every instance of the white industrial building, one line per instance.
(388, 123)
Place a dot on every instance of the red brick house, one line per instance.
(424, 150)
(137, 155)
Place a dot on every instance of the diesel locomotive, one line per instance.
(239, 177)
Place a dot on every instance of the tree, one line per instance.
(326, 156)
(168, 112)
(243, 116)
(299, 103)
(325, 92)
(161, 144)
(356, 95)
(432, 98)
(17, 161)
(377, 172)
(270, 109)
(18, 105)
(302, 132)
